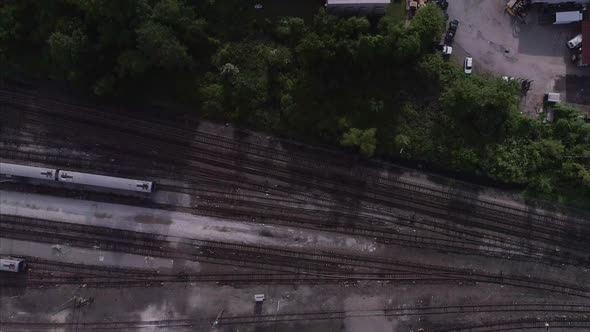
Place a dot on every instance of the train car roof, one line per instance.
(27, 171)
(105, 181)
(9, 264)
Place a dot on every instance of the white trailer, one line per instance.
(568, 17)
(41, 173)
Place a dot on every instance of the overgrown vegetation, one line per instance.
(377, 87)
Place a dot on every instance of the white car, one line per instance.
(468, 65)
(575, 42)
(447, 50)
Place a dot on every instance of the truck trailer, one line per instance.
(568, 17)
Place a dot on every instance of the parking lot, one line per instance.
(502, 46)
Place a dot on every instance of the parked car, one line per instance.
(443, 4)
(447, 50)
(451, 32)
(552, 97)
(468, 65)
(575, 42)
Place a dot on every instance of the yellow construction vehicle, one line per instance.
(517, 8)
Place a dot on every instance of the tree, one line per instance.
(551, 149)
(311, 49)
(131, 63)
(370, 50)
(432, 67)
(172, 13)
(508, 162)
(363, 139)
(160, 46)
(66, 49)
(278, 58)
(229, 72)
(428, 24)
(9, 27)
(482, 109)
(213, 98)
(182, 19)
(578, 174)
(566, 112)
(352, 28)
(321, 80)
(409, 48)
(105, 87)
(290, 29)
(402, 141)
(541, 183)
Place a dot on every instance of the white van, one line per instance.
(575, 42)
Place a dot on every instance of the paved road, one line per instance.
(501, 46)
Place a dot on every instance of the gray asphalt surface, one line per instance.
(501, 46)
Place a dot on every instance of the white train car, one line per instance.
(105, 181)
(28, 171)
(12, 265)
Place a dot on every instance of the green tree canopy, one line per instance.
(363, 139)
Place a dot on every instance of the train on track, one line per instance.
(60, 175)
(13, 265)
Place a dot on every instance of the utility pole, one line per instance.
(75, 301)
(217, 321)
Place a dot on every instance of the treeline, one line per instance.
(378, 87)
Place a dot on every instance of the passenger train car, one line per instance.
(104, 181)
(13, 265)
(27, 171)
(76, 177)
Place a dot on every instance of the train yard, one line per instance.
(261, 214)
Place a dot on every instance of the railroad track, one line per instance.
(221, 279)
(49, 269)
(572, 315)
(544, 234)
(248, 210)
(580, 321)
(470, 240)
(549, 231)
(340, 160)
(457, 222)
(23, 98)
(262, 258)
(443, 236)
(416, 188)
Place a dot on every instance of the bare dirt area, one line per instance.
(502, 46)
(334, 242)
